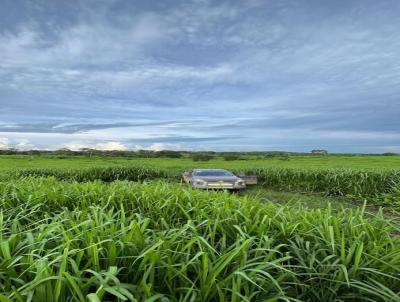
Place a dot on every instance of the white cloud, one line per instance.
(104, 146)
(90, 58)
(24, 145)
(208, 62)
(86, 42)
(161, 146)
(19, 144)
(111, 146)
(161, 75)
(4, 143)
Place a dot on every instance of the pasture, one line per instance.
(369, 162)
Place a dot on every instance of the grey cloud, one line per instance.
(72, 128)
(240, 71)
(184, 139)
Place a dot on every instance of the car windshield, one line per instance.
(212, 173)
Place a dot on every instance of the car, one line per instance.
(213, 179)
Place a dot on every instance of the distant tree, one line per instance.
(9, 151)
(229, 157)
(390, 154)
(201, 157)
(319, 152)
(87, 151)
(169, 154)
(273, 154)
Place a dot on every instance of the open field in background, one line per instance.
(117, 229)
(8, 162)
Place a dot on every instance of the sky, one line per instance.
(249, 75)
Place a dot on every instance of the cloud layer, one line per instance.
(221, 75)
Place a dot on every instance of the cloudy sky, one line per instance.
(200, 75)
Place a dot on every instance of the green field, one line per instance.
(8, 162)
(126, 229)
(361, 178)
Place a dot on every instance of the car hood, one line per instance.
(217, 178)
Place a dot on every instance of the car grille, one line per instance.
(220, 184)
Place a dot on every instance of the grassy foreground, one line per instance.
(69, 241)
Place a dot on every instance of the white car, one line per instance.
(213, 179)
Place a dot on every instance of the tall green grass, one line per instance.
(379, 187)
(105, 174)
(69, 241)
(331, 181)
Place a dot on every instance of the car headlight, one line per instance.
(240, 183)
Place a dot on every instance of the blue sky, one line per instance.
(201, 75)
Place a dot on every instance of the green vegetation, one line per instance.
(300, 200)
(202, 157)
(377, 187)
(372, 185)
(68, 241)
(106, 174)
(97, 228)
(231, 157)
(370, 162)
